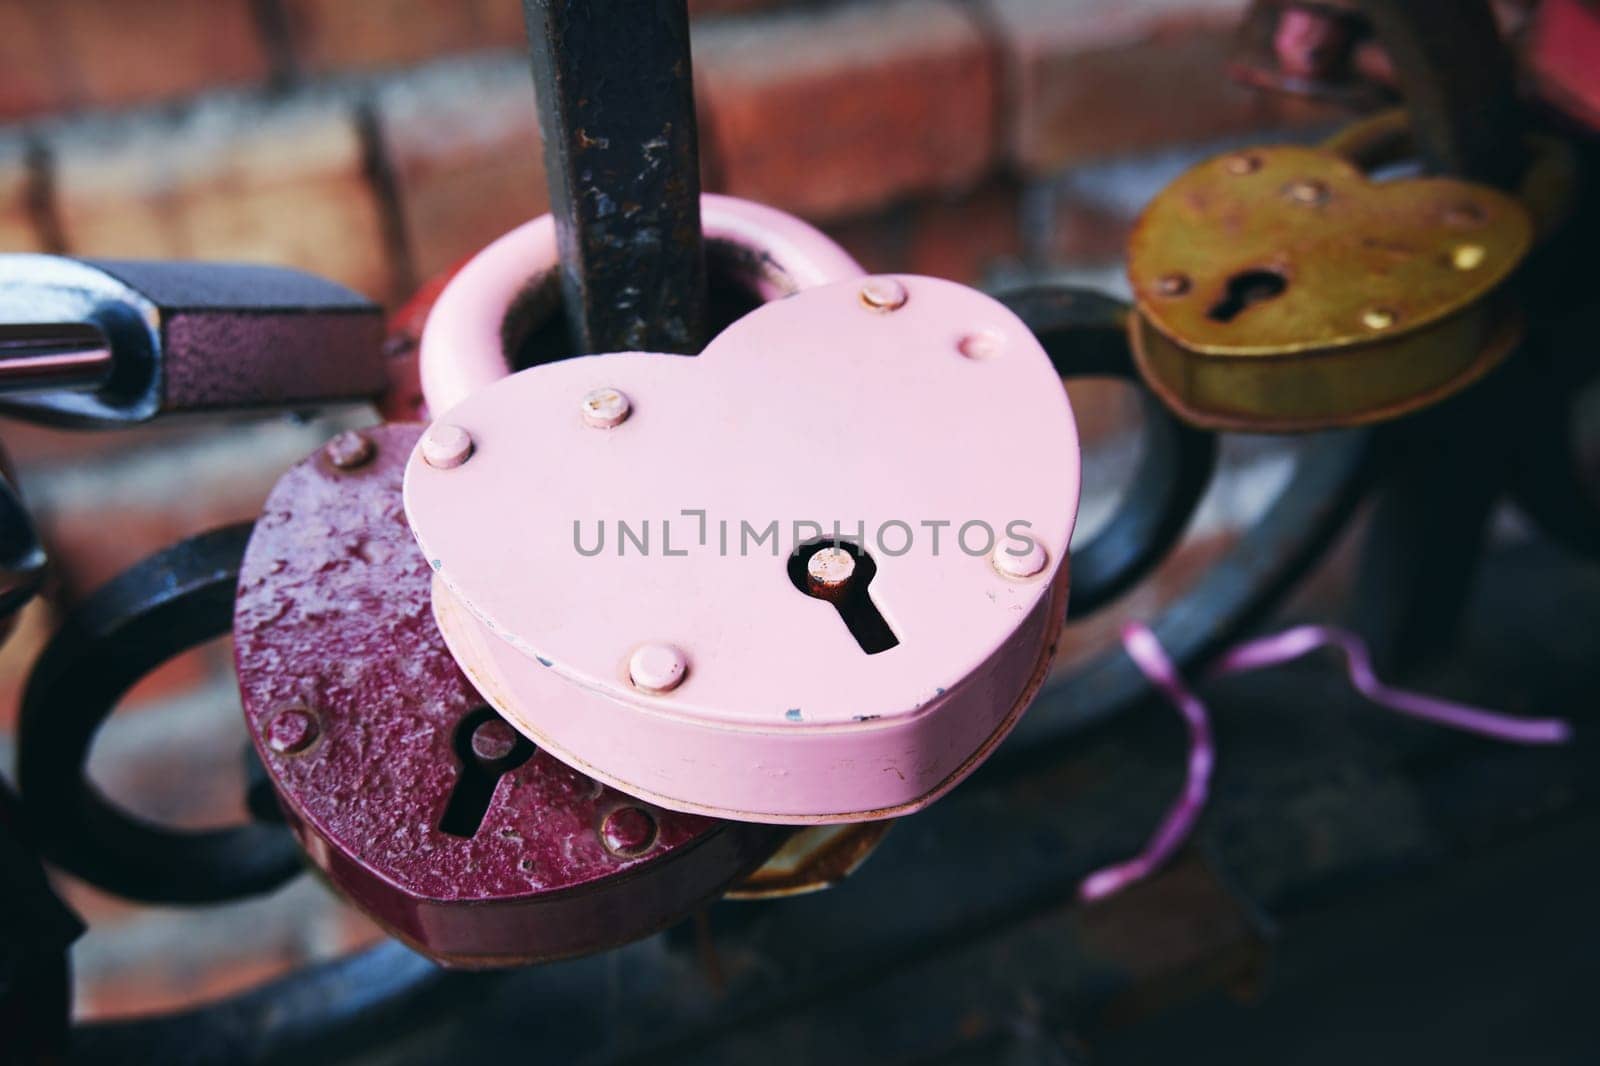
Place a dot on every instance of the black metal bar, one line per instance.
(22, 556)
(324, 1013)
(1458, 83)
(1320, 799)
(616, 109)
(169, 602)
(1423, 549)
(1427, 533)
(36, 929)
(1085, 333)
(1549, 482)
(1330, 478)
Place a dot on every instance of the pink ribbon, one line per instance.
(1176, 825)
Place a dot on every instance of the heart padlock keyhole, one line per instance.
(488, 749)
(840, 573)
(1245, 290)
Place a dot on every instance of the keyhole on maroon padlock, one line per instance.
(488, 749)
(840, 573)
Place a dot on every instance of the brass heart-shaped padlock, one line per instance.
(1282, 289)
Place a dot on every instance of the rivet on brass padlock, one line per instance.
(1282, 289)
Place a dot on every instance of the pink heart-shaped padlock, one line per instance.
(613, 539)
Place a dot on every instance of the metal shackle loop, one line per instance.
(770, 254)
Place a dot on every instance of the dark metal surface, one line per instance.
(1458, 83)
(616, 111)
(470, 846)
(926, 955)
(36, 929)
(189, 336)
(1315, 799)
(1296, 528)
(1443, 472)
(1441, 477)
(322, 1014)
(22, 555)
(174, 600)
(1548, 479)
(1085, 334)
(1331, 473)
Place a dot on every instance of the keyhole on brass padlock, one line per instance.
(488, 749)
(840, 573)
(1246, 289)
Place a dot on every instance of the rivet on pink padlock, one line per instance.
(930, 426)
(773, 254)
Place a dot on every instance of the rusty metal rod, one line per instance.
(616, 110)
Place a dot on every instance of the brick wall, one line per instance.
(228, 128)
(379, 141)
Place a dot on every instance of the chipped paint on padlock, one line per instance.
(1294, 293)
(780, 715)
(463, 347)
(355, 705)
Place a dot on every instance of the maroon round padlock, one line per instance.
(415, 799)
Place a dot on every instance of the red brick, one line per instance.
(463, 145)
(94, 906)
(706, 8)
(838, 110)
(196, 784)
(1086, 233)
(158, 989)
(99, 53)
(339, 34)
(30, 445)
(957, 237)
(90, 547)
(965, 238)
(137, 959)
(34, 624)
(278, 182)
(877, 240)
(39, 620)
(1107, 411)
(140, 960)
(355, 931)
(18, 233)
(1091, 79)
(179, 676)
(97, 519)
(33, 59)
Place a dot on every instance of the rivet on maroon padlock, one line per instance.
(402, 785)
